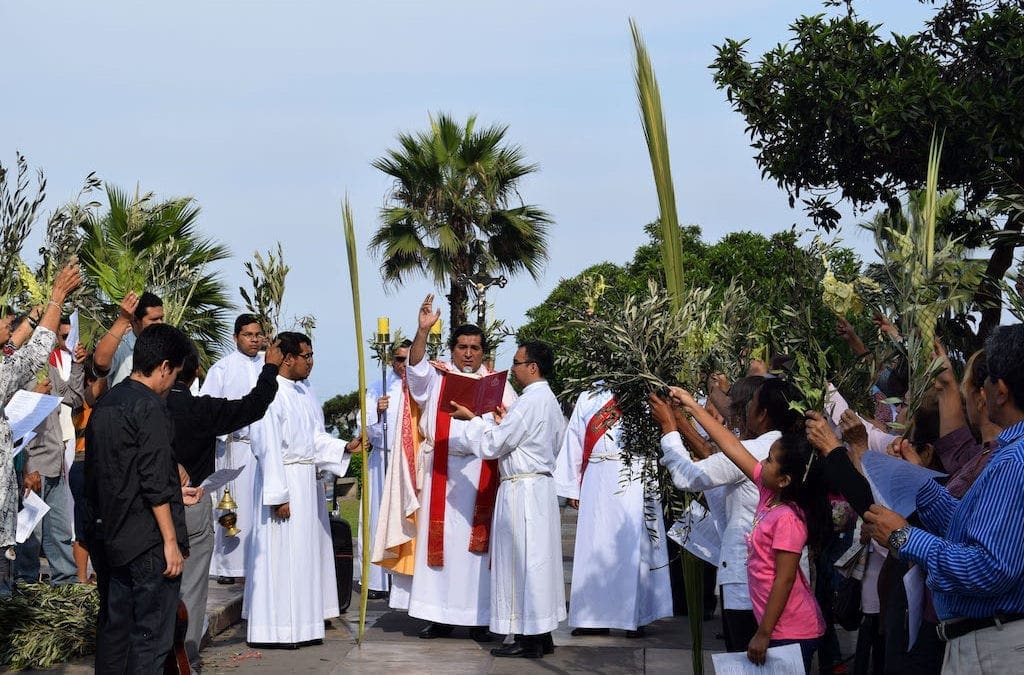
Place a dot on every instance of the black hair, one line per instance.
(244, 320)
(924, 428)
(774, 397)
(158, 343)
(64, 321)
(806, 489)
(147, 300)
(1005, 360)
(290, 342)
(541, 354)
(468, 329)
(190, 366)
(404, 344)
(740, 394)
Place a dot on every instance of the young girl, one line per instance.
(792, 512)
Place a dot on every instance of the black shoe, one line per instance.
(577, 632)
(480, 633)
(376, 595)
(523, 648)
(547, 643)
(638, 633)
(225, 581)
(273, 645)
(436, 630)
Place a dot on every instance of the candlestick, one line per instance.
(383, 325)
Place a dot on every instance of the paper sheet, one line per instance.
(219, 479)
(72, 340)
(27, 409)
(913, 581)
(895, 482)
(785, 660)
(698, 533)
(33, 510)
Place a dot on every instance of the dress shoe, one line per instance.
(436, 630)
(524, 648)
(225, 581)
(480, 633)
(577, 632)
(547, 643)
(638, 633)
(377, 595)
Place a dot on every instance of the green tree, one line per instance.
(141, 244)
(454, 209)
(841, 112)
(341, 418)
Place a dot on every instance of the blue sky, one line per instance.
(269, 113)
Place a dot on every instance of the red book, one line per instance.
(480, 394)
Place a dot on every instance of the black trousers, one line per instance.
(135, 630)
(738, 628)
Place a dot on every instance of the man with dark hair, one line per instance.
(197, 422)
(290, 584)
(232, 377)
(136, 523)
(972, 548)
(527, 588)
(451, 580)
(386, 398)
(45, 470)
(113, 355)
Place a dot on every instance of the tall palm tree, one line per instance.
(139, 243)
(455, 209)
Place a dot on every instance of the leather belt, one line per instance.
(954, 628)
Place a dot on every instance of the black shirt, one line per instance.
(198, 420)
(129, 469)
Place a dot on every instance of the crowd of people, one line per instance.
(465, 516)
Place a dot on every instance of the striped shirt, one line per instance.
(975, 558)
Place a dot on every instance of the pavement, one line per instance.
(390, 643)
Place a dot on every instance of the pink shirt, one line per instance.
(780, 527)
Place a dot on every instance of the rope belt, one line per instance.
(520, 476)
(606, 457)
(299, 460)
(238, 438)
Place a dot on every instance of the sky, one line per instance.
(269, 113)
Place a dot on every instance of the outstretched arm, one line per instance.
(723, 438)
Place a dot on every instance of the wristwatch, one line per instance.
(898, 538)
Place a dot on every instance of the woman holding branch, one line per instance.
(791, 513)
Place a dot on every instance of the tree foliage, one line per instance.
(455, 209)
(139, 243)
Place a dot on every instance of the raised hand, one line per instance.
(428, 316)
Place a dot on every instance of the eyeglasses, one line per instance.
(400, 359)
(520, 363)
(307, 356)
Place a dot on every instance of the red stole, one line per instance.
(486, 493)
(407, 431)
(603, 420)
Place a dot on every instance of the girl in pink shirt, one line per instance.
(792, 513)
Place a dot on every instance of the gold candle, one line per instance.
(383, 325)
(436, 328)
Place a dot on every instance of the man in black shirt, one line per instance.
(198, 420)
(136, 526)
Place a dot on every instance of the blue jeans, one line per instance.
(53, 535)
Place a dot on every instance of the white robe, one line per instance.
(233, 377)
(374, 464)
(458, 592)
(290, 585)
(620, 577)
(527, 585)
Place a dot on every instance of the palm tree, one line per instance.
(455, 209)
(139, 243)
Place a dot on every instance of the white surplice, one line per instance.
(458, 592)
(375, 461)
(290, 584)
(620, 575)
(527, 584)
(232, 377)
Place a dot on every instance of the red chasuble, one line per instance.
(603, 420)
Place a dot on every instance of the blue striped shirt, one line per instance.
(973, 548)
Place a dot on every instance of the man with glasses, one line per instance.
(386, 401)
(291, 587)
(232, 377)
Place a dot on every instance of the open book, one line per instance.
(480, 394)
